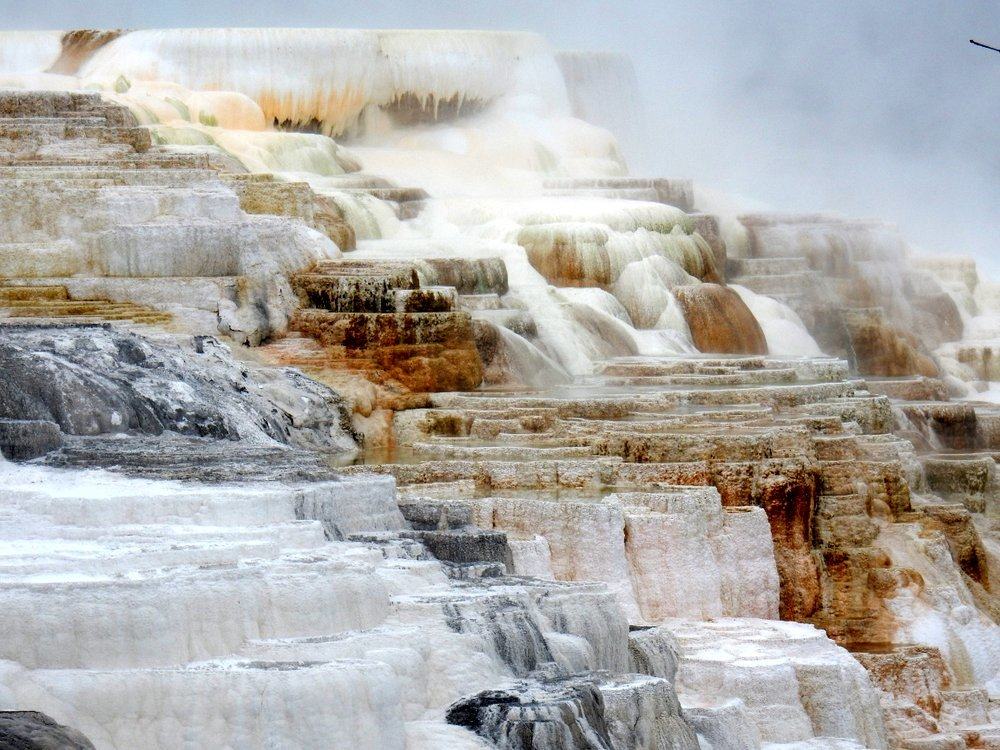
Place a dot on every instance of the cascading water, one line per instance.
(509, 115)
(782, 328)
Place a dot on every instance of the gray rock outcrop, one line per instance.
(33, 730)
(96, 380)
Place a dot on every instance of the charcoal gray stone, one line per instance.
(24, 439)
(467, 546)
(96, 380)
(173, 456)
(565, 715)
(33, 730)
(427, 515)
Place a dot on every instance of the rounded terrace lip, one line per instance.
(447, 430)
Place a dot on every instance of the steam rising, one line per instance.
(867, 109)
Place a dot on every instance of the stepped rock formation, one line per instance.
(449, 433)
(851, 284)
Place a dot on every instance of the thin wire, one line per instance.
(980, 44)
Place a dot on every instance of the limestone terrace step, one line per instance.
(473, 302)
(59, 104)
(150, 159)
(776, 283)
(105, 175)
(766, 266)
(363, 330)
(20, 293)
(674, 192)
(196, 292)
(334, 290)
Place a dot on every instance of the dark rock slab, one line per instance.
(566, 715)
(33, 730)
(24, 439)
(470, 545)
(97, 380)
(430, 515)
(594, 711)
(172, 456)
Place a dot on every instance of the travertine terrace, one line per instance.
(319, 431)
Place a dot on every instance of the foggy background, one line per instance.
(869, 109)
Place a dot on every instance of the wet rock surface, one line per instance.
(720, 321)
(169, 456)
(596, 713)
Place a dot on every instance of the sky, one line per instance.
(871, 109)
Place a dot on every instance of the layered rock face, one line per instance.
(100, 223)
(606, 487)
(622, 538)
(378, 317)
(781, 683)
(597, 485)
(370, 618)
